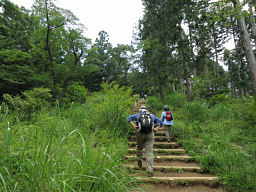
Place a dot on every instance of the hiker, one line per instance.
(167, 122)
(144, 128)
(142, 96)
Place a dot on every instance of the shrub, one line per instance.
(75, 93)
(112, 106)
(176, 100)
(197, 111)
(30, 101)
(219, 98)
(154, 104)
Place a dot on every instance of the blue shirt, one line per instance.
(164, 121)
(136, 117)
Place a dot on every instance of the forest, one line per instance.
(64, 100)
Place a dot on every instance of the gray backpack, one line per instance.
(146, 123)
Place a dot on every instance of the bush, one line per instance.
(30, 101)
(112, 107)
(154, 104)
(75, 93)
(176, 100)
(197, 111)
(219, 98)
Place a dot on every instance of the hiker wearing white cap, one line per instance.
(145, 135)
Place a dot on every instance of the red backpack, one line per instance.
(169, 116)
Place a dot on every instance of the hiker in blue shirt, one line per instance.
(167, 122)
(144, 128)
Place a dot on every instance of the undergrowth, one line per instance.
(219, 135)
(76, 148)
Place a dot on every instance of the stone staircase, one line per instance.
(173, 168)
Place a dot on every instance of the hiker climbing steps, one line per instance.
(172, 166)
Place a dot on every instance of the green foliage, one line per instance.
(73, 149)
(176, 100)
(221, 137)
(219, 98)
(154, 104)
(75, 93)
(196, 111)
(16, 73)
(113, 108)
(30, 101)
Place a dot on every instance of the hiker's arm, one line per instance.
(130, 120)
(158, 122)
(133, 125)
(156, 129)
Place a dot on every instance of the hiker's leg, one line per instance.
(149, 152)
(140, 145)
(170, 131)
(167, 132)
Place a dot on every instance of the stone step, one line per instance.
(174, 181)
(157, 138)
(158, 144)
(159, 150)
(166, 168)
(167, 163)
(162, 157)
(159, 133)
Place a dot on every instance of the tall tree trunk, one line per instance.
(239, 77)
(182, 85)
(216, 63)
(252, 20)
(49, 50)
(233, 92)
(249, 54)
(161, 90)
(241, 90)
(173, 87)
(188, 83)
(206, 71)
(64, 89)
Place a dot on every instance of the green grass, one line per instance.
(78, 148)
(220, 137)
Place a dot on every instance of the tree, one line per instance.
(15, 28)
(17, 73)
(249, 54)
(60, 43)
(159, 30)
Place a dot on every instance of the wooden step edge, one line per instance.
(160, 150)
(155, 137)
(158, 132)
(174, 181)
(169, 157)
(156, 143)
(165, 168)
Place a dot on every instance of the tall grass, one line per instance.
(221, 137)
(73, 149)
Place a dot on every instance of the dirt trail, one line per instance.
(174, 170)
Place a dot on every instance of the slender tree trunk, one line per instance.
(182, 85)
(64, 89)
(249, 54)
(239, 77)
(49, 50)
(233, 93)
(173, 87)
(206, 71)
(188, 83)
(216, 63)
(161, 90)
